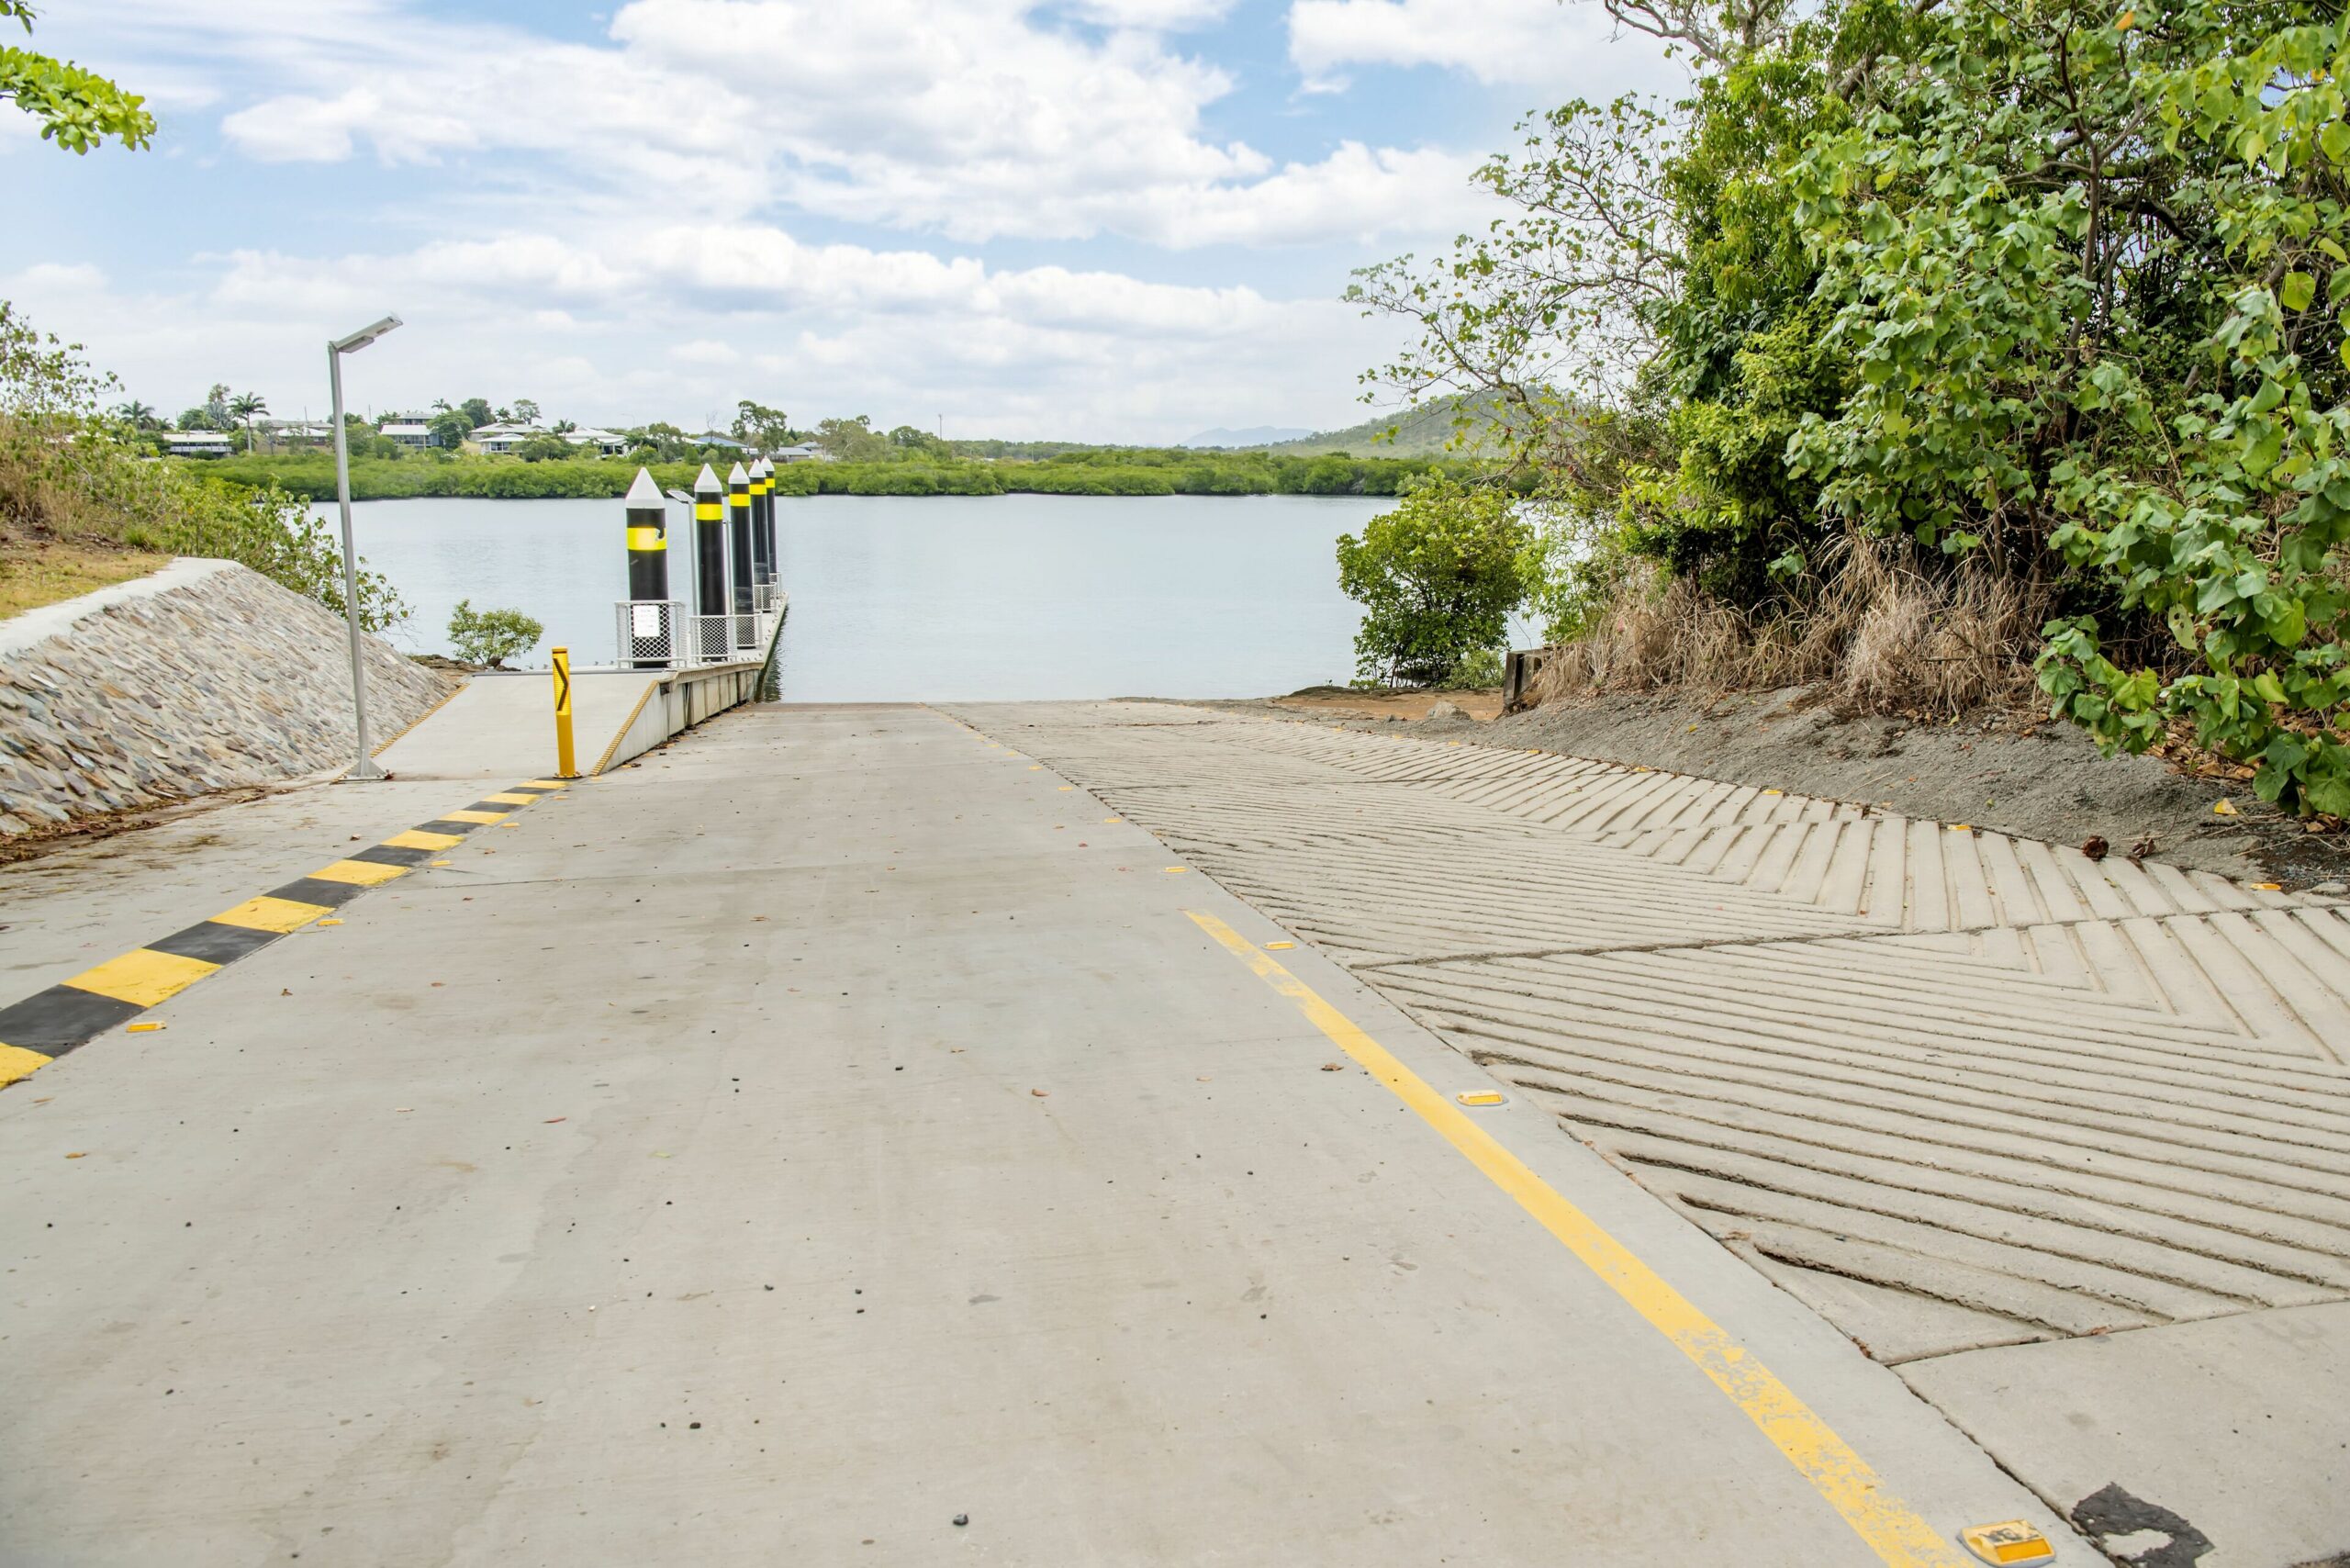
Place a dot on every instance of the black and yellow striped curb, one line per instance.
(44, 1027)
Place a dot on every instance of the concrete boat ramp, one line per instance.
(1123, 1134)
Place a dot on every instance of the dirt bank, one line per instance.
(2009, 770)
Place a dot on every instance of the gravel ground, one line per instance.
(2009, 770)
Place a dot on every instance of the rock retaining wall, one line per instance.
(205, 675)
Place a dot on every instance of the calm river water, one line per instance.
(936, 597)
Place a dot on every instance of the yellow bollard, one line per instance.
(565, 765)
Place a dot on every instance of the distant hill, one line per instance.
(1423, 432)
(1254, 435)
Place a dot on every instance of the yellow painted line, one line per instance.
(271, 914)
(359, 873)
(477, 817)
(650, 685)
(417, 838)
(1841, 1476)
(16, 1062)
(142, 977)
(510, 798)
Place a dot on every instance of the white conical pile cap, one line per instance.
(738, 477)
(706, 480)
(644, 492)
(762, 468)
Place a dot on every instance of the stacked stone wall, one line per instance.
(205, 675)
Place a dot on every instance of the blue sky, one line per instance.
(1106, 220)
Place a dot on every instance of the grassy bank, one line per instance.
(1102, 472)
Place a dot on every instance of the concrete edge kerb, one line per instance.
(21, 634)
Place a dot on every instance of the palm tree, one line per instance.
(138, 415)
(244, 406)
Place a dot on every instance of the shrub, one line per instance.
(491, 636)
(1438, 578)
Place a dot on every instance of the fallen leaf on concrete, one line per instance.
(552, 1120)
(437, 984)
(1332, 1067)
(660, 1154)
(2095, 847)
(402, 1110)
(2142, 848)
(2224, 809)
(1041, 1093)
(283, 992)
(1207, 1077)
(79, 1154)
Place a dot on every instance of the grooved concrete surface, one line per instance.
(1954, 1090)
(828, 1128)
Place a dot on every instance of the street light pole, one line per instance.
(366, 768)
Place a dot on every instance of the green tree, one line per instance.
(757, 425)
(525, 411)
(1437, 577)
(245, 407)
(450, 427)
(138, 415)
(76, 108)
(2093, 276)
(491, 636)
(476, 412)
(544, 446)
(852, 441)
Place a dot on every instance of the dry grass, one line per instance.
(1883, 637)
(37, 572)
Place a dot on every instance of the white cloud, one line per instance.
(1570, 49)
(978, 120)
(644, 194)
(651, 324)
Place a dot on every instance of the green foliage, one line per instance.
(398, 474)
(69, 471)
(2051, 289)
(2090, 273)
(77, 109)
(1437, 578)
(757, 425)
(546, 447)
(491, 636)
(852, 441)
(1480, 669)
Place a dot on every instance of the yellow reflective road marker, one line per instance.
(141, 1028)
(142, 977)
(1281, 943)
(2014, 1544)
(1843, 1480)
(1481, 1097)
(1177, 870)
